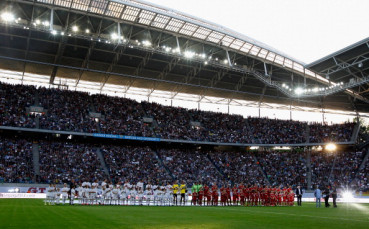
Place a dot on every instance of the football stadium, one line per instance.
(128, 114)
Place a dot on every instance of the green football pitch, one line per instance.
(27, 213)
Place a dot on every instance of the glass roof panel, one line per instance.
(81, 4)
(215, 37)
(246, 47)
(130, 13)
(146, 17)
(288, 63)
(254, 50)
(174, 25)
(188, 29)
(227, 40)
(298, 67)
(160, 21)
(237, 44)
(271, 56)
(202, 33)
(114, 9)
(279, 60)
(65, 3)
(98, 6)
(46, 1)
(263, 53)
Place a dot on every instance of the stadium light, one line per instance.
(38, 22)
(347, 196)
(299, 91)
(146, 43)
(330, 147)
(114, 36)
(75, 28)
(205, 62)
(189, 54)
(7, 17)
(54, 32)
(46, 23)
(225, 61)
(87, 31)
(62, 33)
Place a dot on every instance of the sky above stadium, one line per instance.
(306, 30)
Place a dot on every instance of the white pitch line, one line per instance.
(281, 213)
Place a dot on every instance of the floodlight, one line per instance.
(7, 17)
(203, 55)
(360, 65)
(315, 89)
(87, 31)
(46, 23)
(283, 85)
(38, 22)
(347, 196)
(205, 62)
(114, 36)
(225, 61)
(75, 28)
(62, 33)
(167, 49)
(299, 91)
(189, 54)
(146, 43)
(54, 32)
(330, 147)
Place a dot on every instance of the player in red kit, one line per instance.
(235, 195)
(228, 197)
(241, 191)
(207, 195)
(214, 195)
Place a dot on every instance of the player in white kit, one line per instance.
(149, 193)
(64, 192)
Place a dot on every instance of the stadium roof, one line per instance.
(133, 43)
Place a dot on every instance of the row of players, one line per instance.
(168, 195)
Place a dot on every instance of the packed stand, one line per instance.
(190, 166)
(274, 131)
(66, 110)
(14, 99)
(172, 123)
(134, 164)
(121, 116)
(345, 167)
(331, 133)
(15, 161)
(284, 168)
(222, 127)
(239, 167)
(62, 161)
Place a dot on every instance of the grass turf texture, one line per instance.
(30, 213)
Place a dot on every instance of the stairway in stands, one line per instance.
(102, 161)
(218, 169)
(261, 170)
(158, 157)
(36, 161)
(308, 169)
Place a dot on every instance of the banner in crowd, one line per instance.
(116, 136)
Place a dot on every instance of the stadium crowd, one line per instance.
(72, 111)
(61, 161)
(134, 164)
(15, 161)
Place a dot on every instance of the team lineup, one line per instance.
(105, 193)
